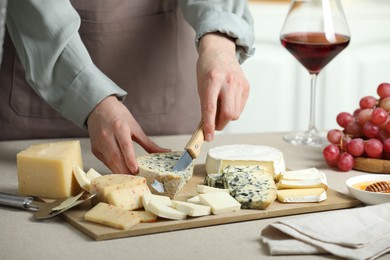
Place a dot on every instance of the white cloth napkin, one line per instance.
(359, 233)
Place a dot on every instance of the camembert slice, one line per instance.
(301, 195)
(302, 179)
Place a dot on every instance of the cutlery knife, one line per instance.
(192, 149)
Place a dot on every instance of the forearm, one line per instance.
(57, 64)
(231, 17)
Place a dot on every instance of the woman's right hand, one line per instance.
(112, 130)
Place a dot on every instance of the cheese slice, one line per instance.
(205, 189)
(191, 209)
(92, 173)
(160, 199)
(164, 211)
(159, 166)
(128, 198)
(46, 169)
(145, 216)
(194, 200)
(112, 216)
(302, 195)
(82, 178)
(309, 178)
(220, 202)
(106, 183)
(270, 158)
(250, 186)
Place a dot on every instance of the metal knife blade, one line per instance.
(192, 149)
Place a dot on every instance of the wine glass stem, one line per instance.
(312, 127)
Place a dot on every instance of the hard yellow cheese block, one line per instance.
(46, 170)
(104, 184)
(112, 216)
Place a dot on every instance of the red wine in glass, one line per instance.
(312, 49)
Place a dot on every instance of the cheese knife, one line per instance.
(43, 210)
(192, 149)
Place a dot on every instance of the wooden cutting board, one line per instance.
(75, 216)
(372, 165)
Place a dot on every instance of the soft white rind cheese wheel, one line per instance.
(244, 154)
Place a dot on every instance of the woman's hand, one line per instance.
(112, 130)
(222, 86)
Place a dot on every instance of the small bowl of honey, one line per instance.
(370, 189)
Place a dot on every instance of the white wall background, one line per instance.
(280, 86)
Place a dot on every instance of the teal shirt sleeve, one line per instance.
(231, 17)
(57, 64)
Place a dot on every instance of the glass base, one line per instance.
(306, 138)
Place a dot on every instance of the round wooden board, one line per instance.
(372, 165)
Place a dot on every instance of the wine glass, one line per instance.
(314, 32)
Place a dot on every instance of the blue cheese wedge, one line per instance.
(250, 186)
(158, 166)
(214, 180)
(301, 195)
(220, 157)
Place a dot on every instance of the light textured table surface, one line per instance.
(25, 238)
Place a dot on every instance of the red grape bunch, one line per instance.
(365, 133)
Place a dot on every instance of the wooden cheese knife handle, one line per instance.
(193, 146)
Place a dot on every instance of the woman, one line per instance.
(122, 70)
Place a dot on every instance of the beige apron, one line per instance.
(144, 46)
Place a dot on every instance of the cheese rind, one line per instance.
(128, 198)
(219, 157)
(220, 202)
(250, 186)
(301, 195)
(159, 166)
(46, 169)
(106, 183)
(112, 216)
